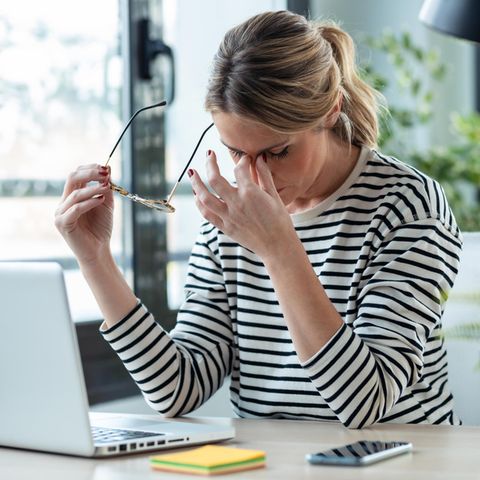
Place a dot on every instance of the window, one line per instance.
(61, 94)
(61, 100)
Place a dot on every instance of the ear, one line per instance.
(332, 116)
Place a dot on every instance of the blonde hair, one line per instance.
(288, 73)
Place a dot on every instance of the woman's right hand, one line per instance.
(84, 216)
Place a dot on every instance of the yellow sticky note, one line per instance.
(210, 459)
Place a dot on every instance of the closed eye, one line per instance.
(235, 153)
(282, 154)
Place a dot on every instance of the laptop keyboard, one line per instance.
(111, 435)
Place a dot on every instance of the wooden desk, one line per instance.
(440, 452)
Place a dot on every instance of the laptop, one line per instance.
(43, 398)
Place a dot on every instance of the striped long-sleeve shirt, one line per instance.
(385, 247)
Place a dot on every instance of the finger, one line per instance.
(68, 219)
(215, 179)
(205, 197)
(254, 173)
(80, 177)
(90, 166)
(208, 215)
(265, 176)
(242, 171)
(82, 194)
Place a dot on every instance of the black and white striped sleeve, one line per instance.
(177, 372)
(363, 370)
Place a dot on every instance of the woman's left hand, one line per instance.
(252, 212)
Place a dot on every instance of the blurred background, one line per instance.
(72, 74)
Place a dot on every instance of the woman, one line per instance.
(318, 280)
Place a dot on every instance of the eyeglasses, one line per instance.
(160, 205)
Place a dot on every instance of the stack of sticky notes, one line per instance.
(210, 460)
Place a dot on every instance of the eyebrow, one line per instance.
(261, 151)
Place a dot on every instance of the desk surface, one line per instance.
(440, 452)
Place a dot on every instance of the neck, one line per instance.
(340, 159)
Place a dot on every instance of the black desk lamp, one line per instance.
(460, 18)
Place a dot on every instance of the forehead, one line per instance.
(245, 135)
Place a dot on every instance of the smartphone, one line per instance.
(359, 453)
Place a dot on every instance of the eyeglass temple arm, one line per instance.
(188, 163)
(161, 104)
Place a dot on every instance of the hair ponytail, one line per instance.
(358, 122)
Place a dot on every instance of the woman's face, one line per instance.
(295, 161)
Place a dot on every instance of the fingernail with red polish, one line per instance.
(190, 172)
(209, 152)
